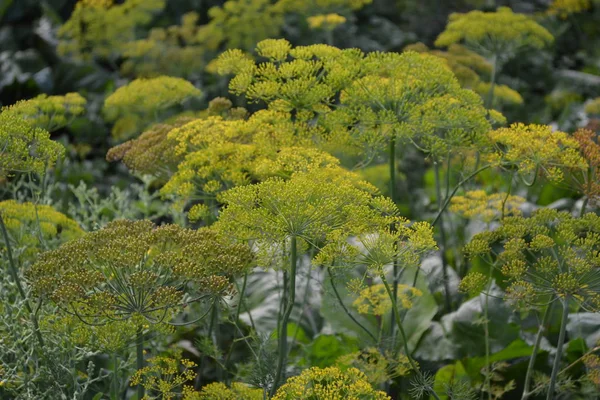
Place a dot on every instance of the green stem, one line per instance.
(559, 347)
(583, 206)
(139, 345)
(115, 382)
(15, 275)
(536, 346)
(282, 334)
(486, 327)
(236, 318)
(339, 298)
(438, 191)
(414, 366)
(392, 165)
(489, 101)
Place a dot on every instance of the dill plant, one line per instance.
(137, 273)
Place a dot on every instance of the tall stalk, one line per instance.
(392, 165)
(139, 345)
(15, 275)
(404, 338)
(536, 347)
(438, 191)
(115, 380)
(282, 334)
(489, 100)
(559, 347)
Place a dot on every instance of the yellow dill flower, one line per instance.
(241, 24)
(327, 22)
(328, 384)
(28, 223)
(537, 149)
(378, 367)
(100, 28)
(24, 147)
(498, 33)
(478, 204)
(50, 112)
(375, 301)
(220, 391)
(143, 99)
(551, 255)
(173, 51)
(164, 376)
(593, 107)
(564, 8)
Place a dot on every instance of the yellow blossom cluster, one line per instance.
(164, 376)
(381, 95)
(498, 33)
(100, 28)
(378, 367)
(28, 223)
(538, 150)
(549, 255)
(50, 112)
(329, 384)
(220, 391)
(593, 107)
(374, 299)
(486, 207)
(141, 101)
(469, 67)
(24, 147)
(327, 22)
(564, 8)
(173, 51)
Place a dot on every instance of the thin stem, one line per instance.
(583, 206)
(339, 298)
(559, 347)
(538, 341)
(392, 165)
(139, 344)
(115, 379)
(438, 191)
(15, 275)
(489, 101)
(486, 327)
(282, 334)
(414, 366)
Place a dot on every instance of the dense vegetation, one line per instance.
(281, 199)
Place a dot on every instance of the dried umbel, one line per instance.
(550, 256)
(586, 181)
(329, 383)
(141, 101)
(136, 271)
(498, 34)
